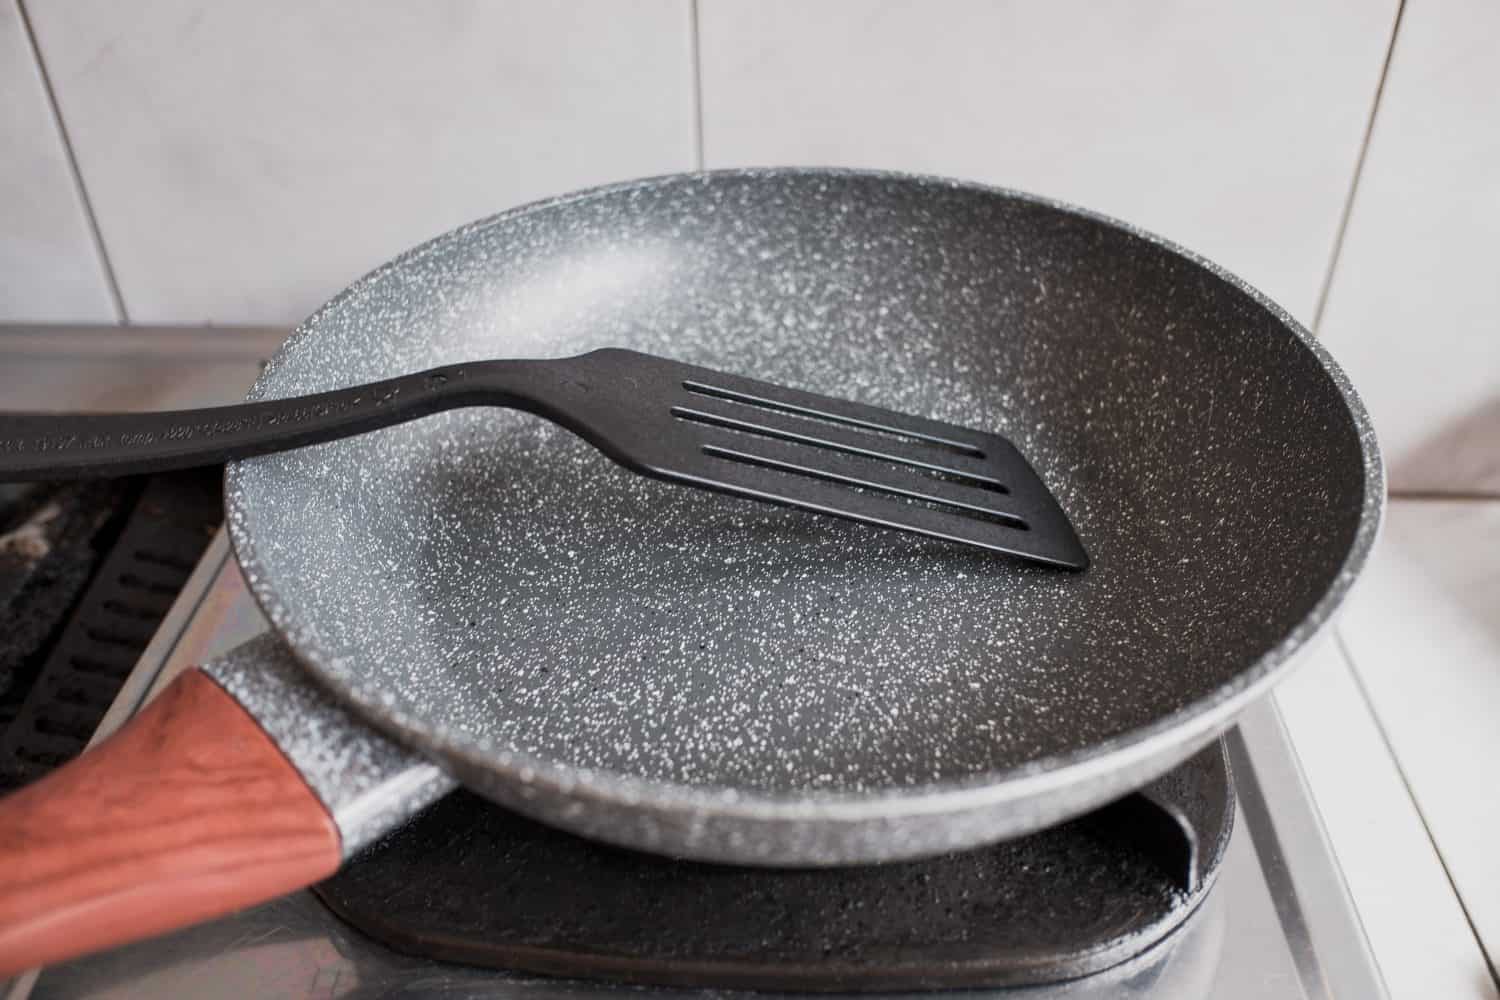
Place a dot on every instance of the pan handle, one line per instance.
(188, 812)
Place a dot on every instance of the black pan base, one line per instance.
(469, 882)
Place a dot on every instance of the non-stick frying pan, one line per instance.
(694, 675)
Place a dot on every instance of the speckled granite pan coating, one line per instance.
(699, 675)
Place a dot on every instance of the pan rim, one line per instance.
(1184, 729)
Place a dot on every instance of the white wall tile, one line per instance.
(1414, 309)
(246, 160)
(1233, 128)
(1423, 632)
(49, 268)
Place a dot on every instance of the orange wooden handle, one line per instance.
(188, 812)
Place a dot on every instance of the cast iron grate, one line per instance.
(162, 528)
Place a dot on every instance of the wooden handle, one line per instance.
(188, 812)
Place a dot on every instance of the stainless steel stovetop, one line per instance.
(1278, 924)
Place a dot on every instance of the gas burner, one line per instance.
(469, 882)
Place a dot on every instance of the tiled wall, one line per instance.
(239, 162)
(49, 266)
(1414, 308)
(246, 160)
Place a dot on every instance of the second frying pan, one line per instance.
(696, 676)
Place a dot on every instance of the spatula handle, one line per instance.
(100, 445)
(188, 812)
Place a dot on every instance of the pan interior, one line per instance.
(484, 577)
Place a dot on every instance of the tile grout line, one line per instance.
(1442, 496)
(95, 234)
(1359, 169)
(696, 39)
(1364, 692)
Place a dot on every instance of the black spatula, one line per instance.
(660, 418)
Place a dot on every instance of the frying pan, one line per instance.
(477, 596)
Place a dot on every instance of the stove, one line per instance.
(1215, 881)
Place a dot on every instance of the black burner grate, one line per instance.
(52, 538)
(134, 545)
